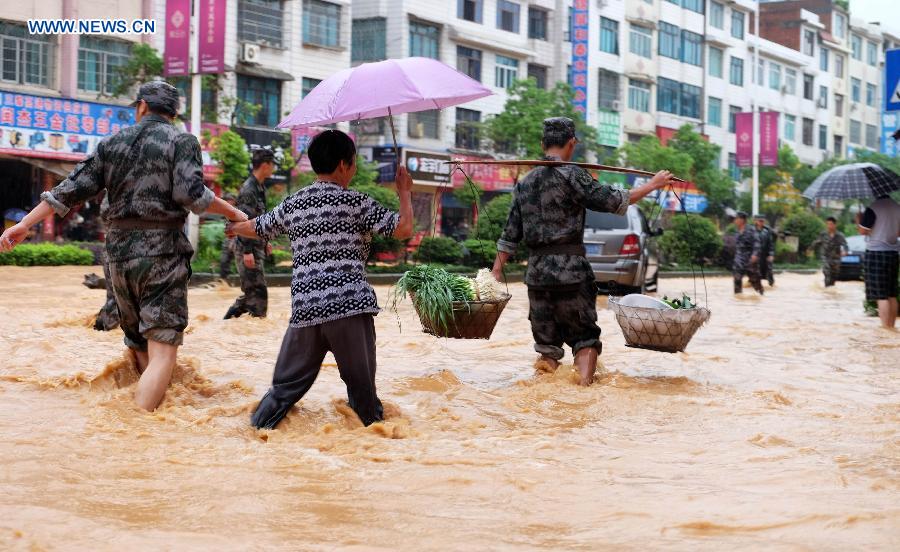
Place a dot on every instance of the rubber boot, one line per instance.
(586, 363)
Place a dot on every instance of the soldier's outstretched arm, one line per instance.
(187, 175)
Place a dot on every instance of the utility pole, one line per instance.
(754, 108)
(196, 80)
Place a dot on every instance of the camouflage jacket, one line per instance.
(548, 209)
(746, 245)
(252, 201)
(766, 242)
(151, 172)
(832, 246)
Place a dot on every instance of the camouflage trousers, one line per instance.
(151, 293)
(108, 317)
(751, 270)
(830, 269)
(765, 271)
(255, 297)
(564, 316)
(226, 259)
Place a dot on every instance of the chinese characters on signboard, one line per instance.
(212, 36)
(56, 128)
(178, 38)
(608, 128)
(427, 168)
(743, 130)
(580, 20)
(768, 139)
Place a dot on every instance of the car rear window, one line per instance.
(605, 221)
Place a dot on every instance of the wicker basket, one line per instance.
(471, 320)
(668, 330)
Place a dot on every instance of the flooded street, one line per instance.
(779, 428)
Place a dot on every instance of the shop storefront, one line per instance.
(41, 141)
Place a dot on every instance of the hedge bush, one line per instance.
(480, 253)
(439, 250)
(806, 226)
(47, 254)
(691, 239)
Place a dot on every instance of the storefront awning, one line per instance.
(59, 168)
(264, 72)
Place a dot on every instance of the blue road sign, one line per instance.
(892, 80)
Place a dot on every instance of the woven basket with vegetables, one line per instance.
(450, 305)
(668, 328)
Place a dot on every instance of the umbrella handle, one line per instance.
(394, 136)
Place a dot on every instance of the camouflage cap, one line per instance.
(760, 216)
(559, 129)
(741, 214)
(158, 95)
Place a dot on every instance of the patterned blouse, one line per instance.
(331, 231)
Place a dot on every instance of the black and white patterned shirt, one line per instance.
(331, 231)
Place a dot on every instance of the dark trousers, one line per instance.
(351, 340)
(765, 271)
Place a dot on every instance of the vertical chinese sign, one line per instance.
(768, 139)
(743, 130)
(178, 38)
(579, 32)
(212, 36)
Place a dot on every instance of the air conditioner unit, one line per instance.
(616, 105)
(417, 130)
(822, 102)
(249, 52)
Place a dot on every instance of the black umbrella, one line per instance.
(854, 181)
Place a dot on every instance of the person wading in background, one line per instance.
(746, 255)
(547, 215)
(834, 246)
(766, 249)
(153, 175)
(253, 251)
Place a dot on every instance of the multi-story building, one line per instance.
(55, 96)
(865, 72)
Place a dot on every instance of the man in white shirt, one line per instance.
(881, 224)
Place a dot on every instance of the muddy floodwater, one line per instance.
(779, 428)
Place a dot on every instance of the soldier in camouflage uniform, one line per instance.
(746, 255)
(834, 246)
(252, 201)
(108, 317)
(766, 248)
(547, 215)
(153, 175)
(226, 258)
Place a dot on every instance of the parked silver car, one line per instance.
(622, 251)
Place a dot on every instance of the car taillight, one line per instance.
(631, 245)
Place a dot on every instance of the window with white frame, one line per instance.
(468, 60)
(607, 89)
(855, 89)
(423, 40)
(693, 5)
(871, 53)
(638, 95)
(855, 132)
(840, 22)
(808, 84)
(261, 22)
(99, 60)
(506, 72)
(716, 56)
(737, 24)
(470, 10)
(870, 94)
(640, 41)
(839, 105)
(714, 112)
(809, 42)
(823, 59)
(424, 124)
(467, 128)
(761, 72)
(321, 23)
(669, 40)
(871, 136)
(369, 40)
(691, 48)
(807, 137)
(609, 36)
(307, 85)
(774, 75)
(733, 110)
(537, 23)
(736, 72)
(26, 58)
(790, 81)
(823, 96)
(823, 137)
(790, 127)
(539, 74)
(717, 15)
(839, 66)
(508, 16)
(856, 46)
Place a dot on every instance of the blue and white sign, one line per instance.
(890, 122)
(580, 33)
(892, 80)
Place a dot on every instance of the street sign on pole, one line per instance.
(892, 80)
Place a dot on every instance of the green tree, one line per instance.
(145, 64)
(788, 163)
(691, 240)
(649, 154)
(704, 171)
(230, 151)
(806, 225)
(519, 128)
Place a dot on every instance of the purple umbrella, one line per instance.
(385, 88)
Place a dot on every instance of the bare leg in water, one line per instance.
(586, 363)
(546, 364)
(156, 367)
(887, 312)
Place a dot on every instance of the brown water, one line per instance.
(777, 429)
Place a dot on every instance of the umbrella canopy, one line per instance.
(854, 181)
(382, 89)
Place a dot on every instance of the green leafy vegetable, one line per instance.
(433, 291)
(684, 303)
